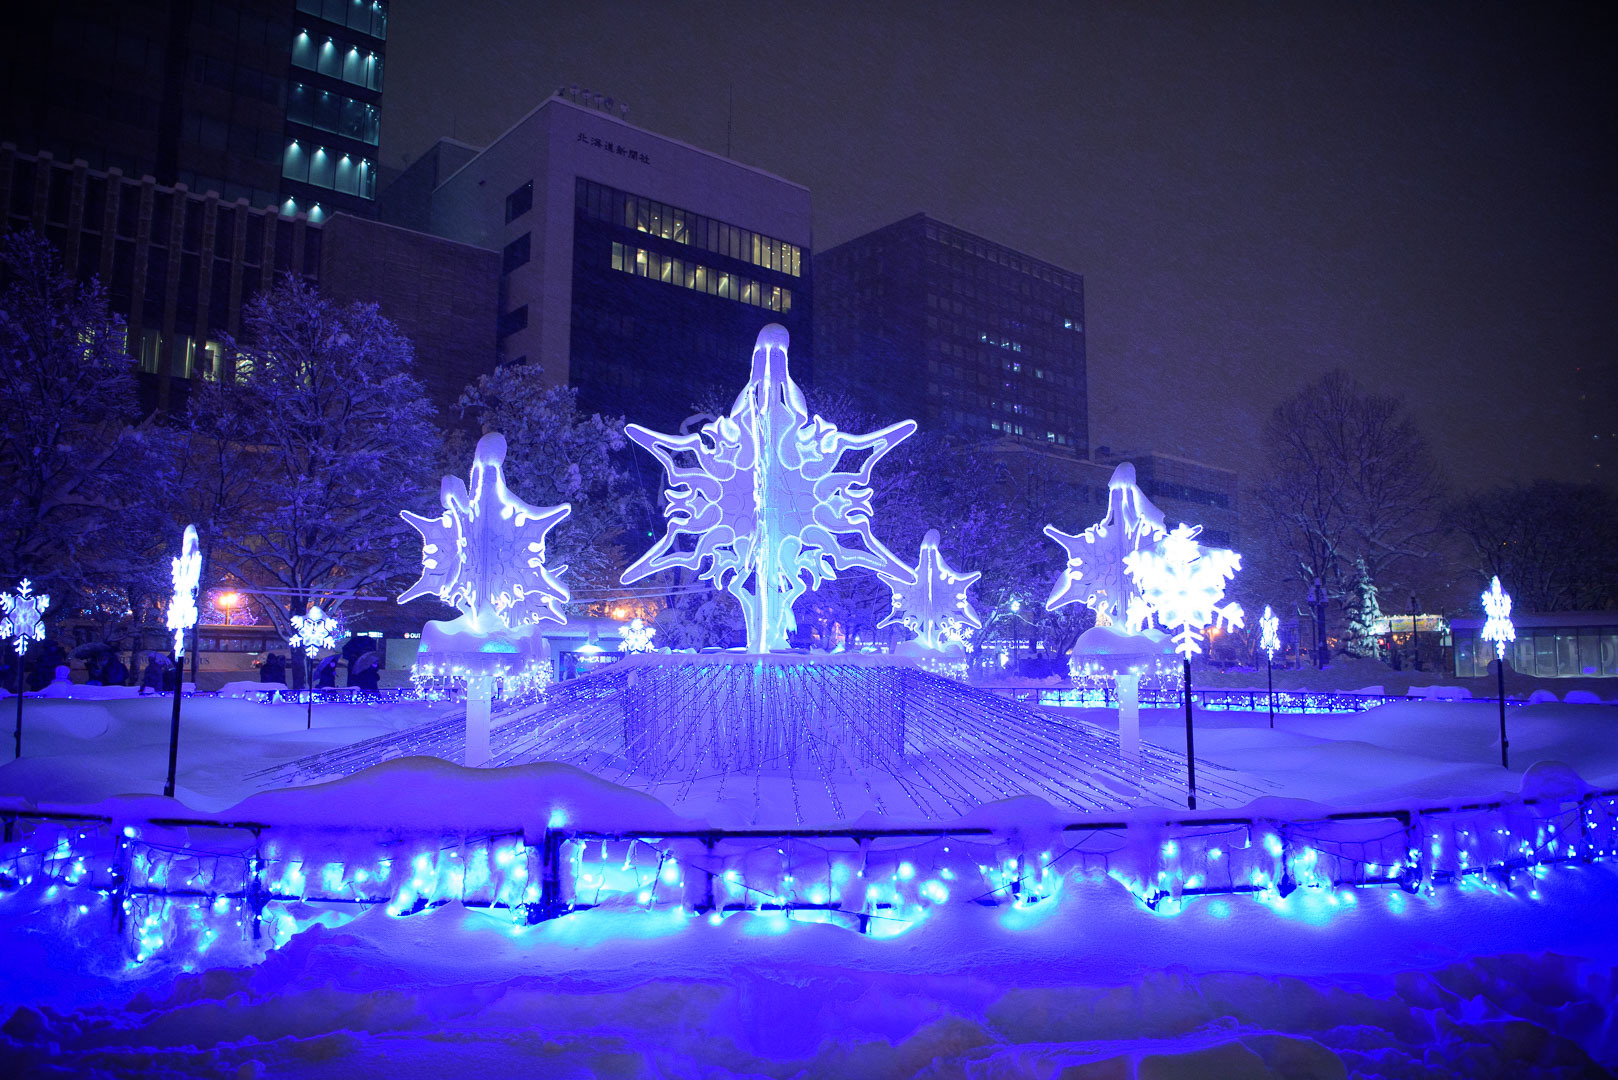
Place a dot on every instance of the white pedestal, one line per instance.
(479, 698)
(1129, 723)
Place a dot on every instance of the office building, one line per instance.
(634, 267)
(274, 101)
(957, 332)
(179, 265)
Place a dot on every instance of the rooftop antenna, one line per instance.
(730, 117)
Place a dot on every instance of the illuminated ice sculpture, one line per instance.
(934, 606)
(761, 498)
(485, 554)
(1121, 646)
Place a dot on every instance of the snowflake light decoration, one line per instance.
(187, 573)
(24, 621)
(486, 553)
(1184, 581)
(637, 636)
(1269, 625)
(761, 498)
(314, 631)
(1096, 575)
(1498, 627)
(934, 607)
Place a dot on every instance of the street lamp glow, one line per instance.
(24, 621)
(186, 572)
(1269, 632)
(1498, 628)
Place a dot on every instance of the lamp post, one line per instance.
(314, 631)
(1498, 629)
(1182, 581)
(186, 572)
(1270, 640)
(24, 623)
(1415, 640)
(1317, 604)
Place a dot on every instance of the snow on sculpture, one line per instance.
(761, 497)
(24, 621)
(187, 574)
(1183, 582)
(1269, 625)
(1096, 575)
(934, 606)
(637, 636)
(1497, 627)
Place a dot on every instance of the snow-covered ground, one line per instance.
(1473, 980)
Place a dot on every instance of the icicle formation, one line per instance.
(187, 574)
(934, 607)
(1096, 575)
(765, 501)
(485, 555)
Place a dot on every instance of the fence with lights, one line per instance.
(186, 887)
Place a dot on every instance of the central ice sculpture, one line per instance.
(486, 556)
(761, 497)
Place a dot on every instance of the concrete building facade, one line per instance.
(634, 267)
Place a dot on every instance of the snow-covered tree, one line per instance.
(68, 457)
(332, 433)
(1552, 541)
(1351, 478)
(1360, 636)
(557, 454)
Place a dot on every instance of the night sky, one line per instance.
(1426, 194)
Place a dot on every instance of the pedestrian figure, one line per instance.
(364, 671)
(326, 672)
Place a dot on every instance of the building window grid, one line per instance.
(602, 203)
(699, 277)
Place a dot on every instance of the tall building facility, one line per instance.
(634, 267)
(195, 150)
(957, 332)
(179, 265)
(274, 101)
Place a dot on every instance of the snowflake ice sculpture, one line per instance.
(314, 631)
(761, 497)
(1096, 575)
(486, 553)
(1498, 627)
(637, 636)
(934, 607)
(1183, 582)
(187, 573)
(24, 621)
(1269, 626)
